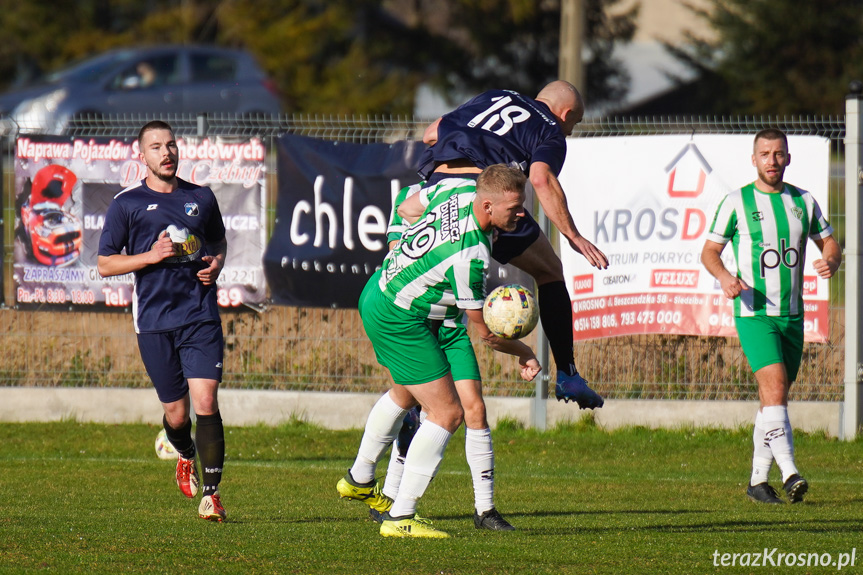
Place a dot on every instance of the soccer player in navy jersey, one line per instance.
(169, 233)
(504, 127)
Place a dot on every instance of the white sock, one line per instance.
(396, 467)
(395, 470)
(480, 458)
(762, 457)
(777, 430)
(384, 422)
(421, 465)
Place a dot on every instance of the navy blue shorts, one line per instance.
(507, 245)
(172, 357)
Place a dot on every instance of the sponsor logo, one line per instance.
(786, 256)
(757, 216)
(810, 285)
(674, 278)
(582, 284)
(152, 207)
(618, 279)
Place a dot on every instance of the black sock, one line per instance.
(180, 438)
(555, 313)
(210, 437)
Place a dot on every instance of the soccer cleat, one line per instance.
(796, 487)
(575, 388)
(491, 519)
(369, 493)
(763, 493)
(378, 517)
(410, 527)
(211, 508)
(187, 476)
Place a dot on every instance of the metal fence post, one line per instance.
(852, 408)
(539, 415)
(203, 125)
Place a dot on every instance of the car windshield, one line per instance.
(89, 70)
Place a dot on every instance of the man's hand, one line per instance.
(594, 257)
(162, 249)
(210, 274)
(732, 286)
(824, 268)
(529, 369)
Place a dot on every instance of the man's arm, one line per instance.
(831, 257)
(411, 209)
(119, 264)
(529, 366)
(430, 134)
(712, 260)
(550, 194)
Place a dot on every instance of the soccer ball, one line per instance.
(164, 449)
(510, 311)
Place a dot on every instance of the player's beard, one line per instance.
(771, 179)
(166, 174)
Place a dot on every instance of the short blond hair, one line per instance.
(498, 178)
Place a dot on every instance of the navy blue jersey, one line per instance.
(498, 127)
(167, 295)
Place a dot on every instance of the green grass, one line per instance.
(90, 498)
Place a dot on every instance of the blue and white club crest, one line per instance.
(191, 209)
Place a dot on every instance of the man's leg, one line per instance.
(382, 425)
(440, 401)
(762, 460)
(773, 386)
(555, 313)
(480, 456)
(210, 442)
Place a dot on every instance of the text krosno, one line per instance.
(775, 558)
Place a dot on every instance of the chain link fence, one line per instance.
(314, 349)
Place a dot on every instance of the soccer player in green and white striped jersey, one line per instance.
(768, 223)
(435, 272)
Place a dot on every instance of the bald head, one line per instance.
(565, 102)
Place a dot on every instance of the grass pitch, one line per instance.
(90, 498)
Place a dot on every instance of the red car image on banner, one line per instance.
(52, 234)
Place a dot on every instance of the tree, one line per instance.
(514, 44)
(337, 56)
(776, 56)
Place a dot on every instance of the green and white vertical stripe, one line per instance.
(768, 234)
(439, 265)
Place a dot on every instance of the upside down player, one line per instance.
(170, 234)
(504, 127)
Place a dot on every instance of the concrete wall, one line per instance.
(349, 410)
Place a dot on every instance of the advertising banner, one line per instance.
(647, 202)
(63, 189)
(334, 203)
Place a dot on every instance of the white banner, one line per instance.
(63, 188)
(646, 202)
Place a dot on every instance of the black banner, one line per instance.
(334, 202)
(332, 211)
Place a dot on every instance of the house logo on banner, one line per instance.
(651, 220)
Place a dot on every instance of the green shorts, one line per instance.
(409, 347)
(456, 344)
(767, 340)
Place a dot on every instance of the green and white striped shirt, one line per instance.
(439, 266)
(768, 233)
